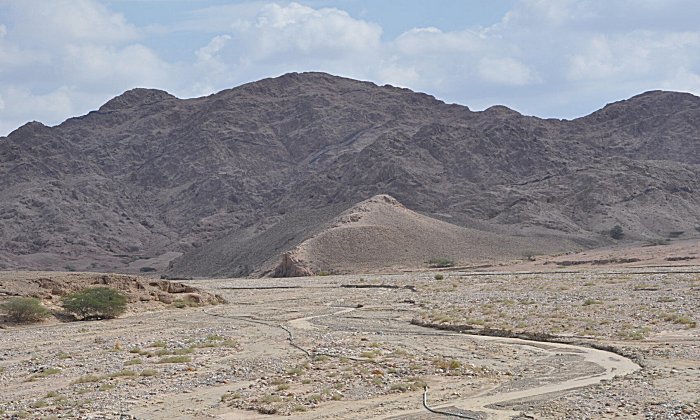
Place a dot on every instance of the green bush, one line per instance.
(25, 309)
(616, 232)
(95, 303)
(440, 263)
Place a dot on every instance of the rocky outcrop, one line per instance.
(291, 266)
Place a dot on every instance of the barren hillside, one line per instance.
(265, 166)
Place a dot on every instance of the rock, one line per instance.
(290, 266)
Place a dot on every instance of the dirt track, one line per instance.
(368, 360)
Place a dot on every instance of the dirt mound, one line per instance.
(141, 292)
(381, 234)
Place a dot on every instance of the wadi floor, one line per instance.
(350, 347)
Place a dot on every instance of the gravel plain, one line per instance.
(349, 347)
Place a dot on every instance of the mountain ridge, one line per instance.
(149, 175)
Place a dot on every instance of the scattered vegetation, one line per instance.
(175, 359)
(370, 354)
(88, 379)
(44, 373)
(95, 303)
(24, 310)
(125, 373)
(411, 385)
(447, 364)
(680, 319)
(295, 371)
(187, 302)
(590, 301)
(440, 262)
(439, 277)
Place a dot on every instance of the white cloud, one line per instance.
(133, 65)
(209, 52)
(683, 80)
(51, 107)
(298, 29)
(210, 66)
(58, 21)
(641, 55)
(63, 58)
(433, 41)
(545, 57)
(506, 71)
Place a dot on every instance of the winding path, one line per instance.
(612, 364)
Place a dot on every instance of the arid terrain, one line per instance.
(575, 342)
(226, 185)
(520, 267)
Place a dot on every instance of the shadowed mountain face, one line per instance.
(234, 179)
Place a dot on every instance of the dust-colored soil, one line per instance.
(314, 348)
(662, 254)
(143, 293)
(382, 235)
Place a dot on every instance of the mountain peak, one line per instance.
(136, 97)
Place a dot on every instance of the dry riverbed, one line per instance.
(316, 348)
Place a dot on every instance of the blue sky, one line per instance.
(550, 58)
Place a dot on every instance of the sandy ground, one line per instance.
(318, 348)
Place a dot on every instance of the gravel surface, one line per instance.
(356, 352)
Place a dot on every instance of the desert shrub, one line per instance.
(147, 269)
(440, 262)
(24, 309)
(616, 232)
(95, 303)
(439, 277)
(658, 241)
(175, 359)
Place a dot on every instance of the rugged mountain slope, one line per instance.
(148, 176)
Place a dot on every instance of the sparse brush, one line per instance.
(44, 373)
(175, 359)
(24, 310)
(88, 379)
(590, 301)
(440, 262)
(125, 373)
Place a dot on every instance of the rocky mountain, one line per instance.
(224, 184)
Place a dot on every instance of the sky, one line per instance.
(549, 58)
